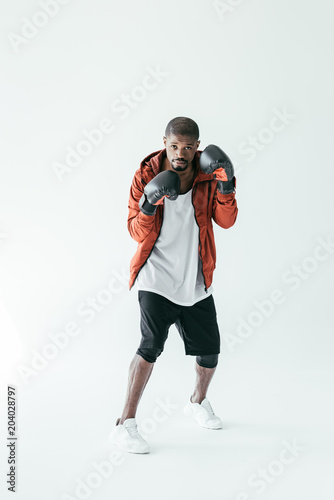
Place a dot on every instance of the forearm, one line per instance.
(144, 202)
(140, 225)
(225, 209)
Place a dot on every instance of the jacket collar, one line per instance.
(153, 162)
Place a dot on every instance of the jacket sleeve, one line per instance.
(224, 209)
(139, 224)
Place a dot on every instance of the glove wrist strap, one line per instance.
(227, 187)
(146, 207)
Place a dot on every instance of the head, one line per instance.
(181, 142)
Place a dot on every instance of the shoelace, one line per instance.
(133, 431)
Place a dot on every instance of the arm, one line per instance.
(224, 205)
(224, 209)
(143, 202)
(139, 224)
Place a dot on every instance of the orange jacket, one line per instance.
(208, 203)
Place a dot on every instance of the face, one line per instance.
(180, 151)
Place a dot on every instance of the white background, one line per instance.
(63, 239)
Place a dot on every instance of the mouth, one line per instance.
(178, 162)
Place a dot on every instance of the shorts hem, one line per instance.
(202, 353)
(150, 346)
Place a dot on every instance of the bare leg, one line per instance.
(203, 379)
(139, 372)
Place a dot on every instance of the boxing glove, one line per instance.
(166, 183)
(214, 161)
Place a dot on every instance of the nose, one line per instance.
(179, 154)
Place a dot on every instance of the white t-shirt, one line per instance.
(174, 267)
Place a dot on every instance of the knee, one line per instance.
(150, 354)
(208, 360)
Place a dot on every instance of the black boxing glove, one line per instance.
(166, 183)
(214, 161)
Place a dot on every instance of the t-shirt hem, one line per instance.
(205, 295)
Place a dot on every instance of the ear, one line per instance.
(165, 140)
(197, 144)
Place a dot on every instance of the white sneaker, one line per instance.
(203, 414)
(127, 437)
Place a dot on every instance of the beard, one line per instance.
(179, 168)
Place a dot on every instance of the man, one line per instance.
(174, 196)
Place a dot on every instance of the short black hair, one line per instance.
(182, 126)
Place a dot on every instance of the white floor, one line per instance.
(65, 417)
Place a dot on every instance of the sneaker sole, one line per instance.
(188, 412)
(124, 448)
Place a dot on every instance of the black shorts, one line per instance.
(197, 324)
